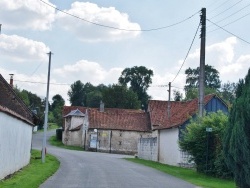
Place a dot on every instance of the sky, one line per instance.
(93, 41)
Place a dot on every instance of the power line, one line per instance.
(229, 32)
(231, 22)
(220, 5)
(233, 14)
(41, 82)
(226, 9)
(116, 28)
(187, 53)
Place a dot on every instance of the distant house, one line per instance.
(107, 130)
(168, 126)
(15, 130)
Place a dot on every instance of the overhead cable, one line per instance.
(41, 82)
(220, 5)
(116, 28)
(231, 22)
(226, 9)
(229, 32)
(187, 53)
(232, 14)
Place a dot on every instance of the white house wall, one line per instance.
(169, 152)
(15, 144)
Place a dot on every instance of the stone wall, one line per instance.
(148, 148)
(116, 141)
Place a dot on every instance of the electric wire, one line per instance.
(226, 9)
(231, 22)
(229, 32)
(41, 82)
(116, 28)
(232, 14)
(187, 53)
(220, 5)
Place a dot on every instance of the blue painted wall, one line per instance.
(214, 105)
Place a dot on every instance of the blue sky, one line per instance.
(90, 53)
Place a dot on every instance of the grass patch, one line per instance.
(54, 142)
(188, 175)
(51, 126)
(33, 174)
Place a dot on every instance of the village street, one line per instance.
(80, 169)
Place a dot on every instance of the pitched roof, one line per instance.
(115, 119)
(179, 112)
(76, 112)
(11, 104)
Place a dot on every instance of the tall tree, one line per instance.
(117, 96)
(56, 109)
(212, 80)
(227, 92)
(93, 99)
(177, 95)
(58, 101)
(76, 94)
(237, 135)
(139, 79)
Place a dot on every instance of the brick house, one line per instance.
(16, 126)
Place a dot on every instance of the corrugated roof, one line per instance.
(179, 112)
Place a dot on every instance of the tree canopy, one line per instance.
(119, 96)
(139, 79)
(76, 94)
(237, 135)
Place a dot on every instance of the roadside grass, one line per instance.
(51, 126)
(33, 174)
(189, 175)
(54, 142)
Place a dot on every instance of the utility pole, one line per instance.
(169, 98)
(202, 62)
(0, 29)
(46, 113)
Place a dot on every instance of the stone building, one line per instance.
(105, 130)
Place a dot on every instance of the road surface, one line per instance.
(79, 169)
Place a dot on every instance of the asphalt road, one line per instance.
(81, 169)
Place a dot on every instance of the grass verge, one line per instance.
(33, 174)
(188, 175)
(54, 142)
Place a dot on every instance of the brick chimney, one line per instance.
(11, 80)
(101, 106)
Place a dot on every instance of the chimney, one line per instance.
(11, 79)
(101, 106)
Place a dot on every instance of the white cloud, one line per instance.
(100, 15)
(87, 71)
(22, 49)
(26, 14)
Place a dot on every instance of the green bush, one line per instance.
(206, 147)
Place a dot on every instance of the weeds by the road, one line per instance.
(34, 174)
(188, 175)
(54, 142)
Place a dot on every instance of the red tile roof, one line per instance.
(114, 119)
(179, 112)
(11, 104)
